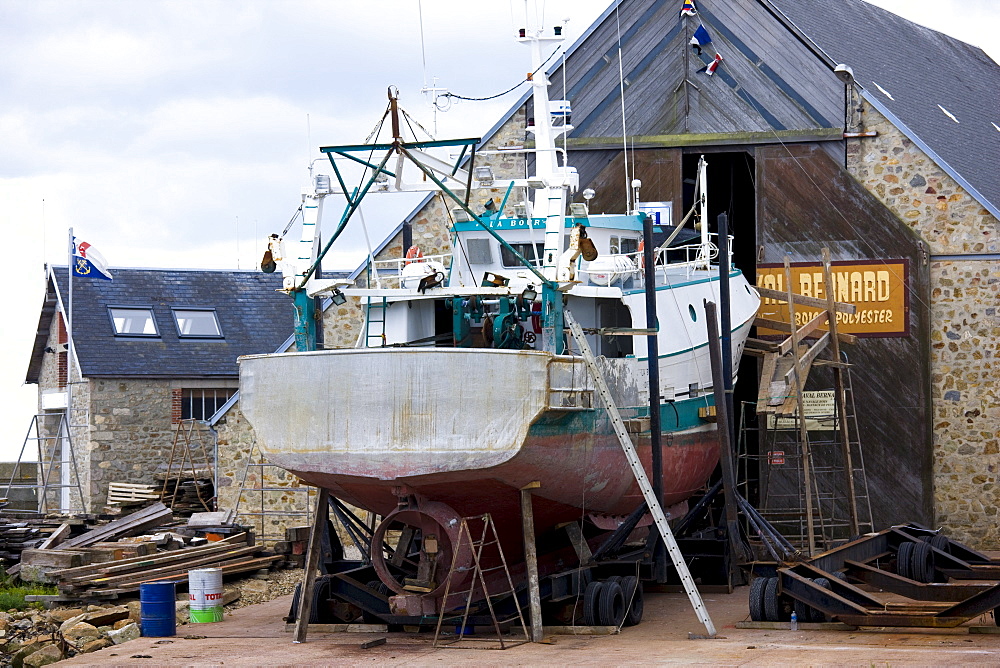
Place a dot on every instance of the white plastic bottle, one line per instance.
(795, 621)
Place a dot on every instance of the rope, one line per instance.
(511, 89)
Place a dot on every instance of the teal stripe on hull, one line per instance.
(675, 416)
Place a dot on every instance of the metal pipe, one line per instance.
(653, 354)
(726, 325)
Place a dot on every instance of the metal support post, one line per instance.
(725, 444)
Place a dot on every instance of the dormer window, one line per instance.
(199, 323)
(133, 321)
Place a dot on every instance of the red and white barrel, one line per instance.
(205, 595)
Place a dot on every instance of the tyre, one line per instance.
(611, 605)
(903, 559)
(615, 578)
(757, 587)
(632, 588)
(922, 562)
(590, 603)
(772, 604)
(940, 542)
(818, 615)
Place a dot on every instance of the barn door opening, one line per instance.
(731, 190)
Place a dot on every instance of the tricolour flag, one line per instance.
(688, 8)
(712, 66)
(700, 39)
(88, 262)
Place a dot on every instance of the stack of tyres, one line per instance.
(205, 594)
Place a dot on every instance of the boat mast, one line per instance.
(550, 198)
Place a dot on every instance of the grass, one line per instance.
(12, 595)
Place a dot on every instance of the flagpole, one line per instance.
(64, 450)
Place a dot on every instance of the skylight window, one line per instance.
(200, 323)
(133, 321)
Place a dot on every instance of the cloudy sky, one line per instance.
(174, 133)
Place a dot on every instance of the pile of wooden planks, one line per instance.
(187, 495)
(15, 537)
(121, 576)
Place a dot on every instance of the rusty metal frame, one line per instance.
(870, 561)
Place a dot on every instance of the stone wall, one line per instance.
(285, 508)
(965, 327)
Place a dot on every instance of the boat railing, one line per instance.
(387, 273)
(626, 269)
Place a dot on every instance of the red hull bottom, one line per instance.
(579, 475)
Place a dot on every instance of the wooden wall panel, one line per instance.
(807, 201)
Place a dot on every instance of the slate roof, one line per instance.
(253, 318)
(922, 70)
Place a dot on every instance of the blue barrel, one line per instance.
(158, 609)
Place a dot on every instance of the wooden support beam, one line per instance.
(841, 397)
(312, 564)
(768, 293)
(766, 374)
(531, 560)
(805, 361)
(782, 326)
(805, 330)
(800, 382)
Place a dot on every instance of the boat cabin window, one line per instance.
(623, 245)
(480, 251)
(531, 252)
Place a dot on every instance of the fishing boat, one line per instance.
(463, 386)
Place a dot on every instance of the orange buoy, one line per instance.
(413, 254)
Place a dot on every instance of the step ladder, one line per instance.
(485, 547)
(56, 458)
(640, 476)
(375, 313)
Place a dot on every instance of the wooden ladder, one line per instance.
(487, 539)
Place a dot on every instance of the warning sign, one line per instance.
(776, 457)
(821, 413)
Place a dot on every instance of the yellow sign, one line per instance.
(877, 288)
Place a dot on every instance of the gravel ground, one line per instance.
(254, 590)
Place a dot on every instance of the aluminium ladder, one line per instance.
(640, 476)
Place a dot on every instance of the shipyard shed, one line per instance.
(825, 125)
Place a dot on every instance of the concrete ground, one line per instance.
(256, 636)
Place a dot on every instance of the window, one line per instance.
(532, 253)
(201, 404)
(131, 321)
(200, 323)
(629, 246)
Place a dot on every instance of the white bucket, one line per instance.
(205, 594)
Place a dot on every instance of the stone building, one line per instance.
(152, 347)
(832, 125)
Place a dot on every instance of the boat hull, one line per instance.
(471, 435)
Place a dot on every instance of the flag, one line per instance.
(88, 262)
(688, 8)
(700, 39)
(712, 66)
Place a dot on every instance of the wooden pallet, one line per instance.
(127, 494)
